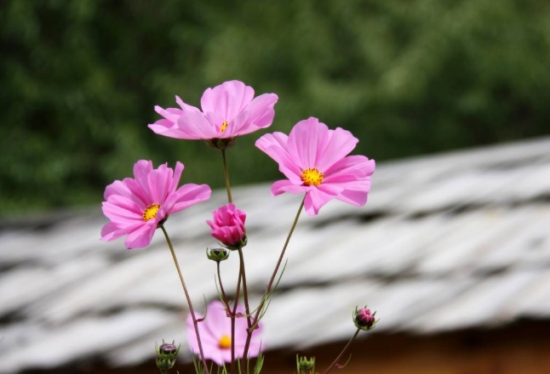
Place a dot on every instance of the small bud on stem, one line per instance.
(305, 365)
(166, 356)
(217, 254)
(364, 319)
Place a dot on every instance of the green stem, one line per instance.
(270, 284)
(233, 316)
(226, 176)
(188, 299)
(245, 290)
(341, 353)
(224, 296)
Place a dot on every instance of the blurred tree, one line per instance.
(79, 81)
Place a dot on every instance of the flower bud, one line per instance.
(305, 365)
(166, 356)
(228, 226)
(217, 254)
(364, 319)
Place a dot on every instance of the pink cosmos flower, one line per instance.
(215, 333)
(228, 225)
(137, 206)
(313, 158)
(228, 110)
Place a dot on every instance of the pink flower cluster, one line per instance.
(314, 159)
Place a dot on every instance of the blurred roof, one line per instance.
(446, 242)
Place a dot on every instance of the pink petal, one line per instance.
(241, 328)
(116, 188)
(119, 215)
(349, 168)
(224, 356)
(186, 107)
(260, 110)
(330, 189)
(142, 168)
(159, 182)
(177, 176)
(167, 125)
(194, 125)
(217, 323)
(187, 195)
(111, 231)
(259, 113)
(127, 205)
(227, 99)
(315, 200)
(255, 349)
(307, 141)
(216, 121)
(141, 237)
(171, 114)
(209, 341)
(356, 196)
(284, 185)
(138, 194)
(170, 132)
(340, 144)
(164, 124)
(275, 146)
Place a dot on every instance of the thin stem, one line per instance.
(233, 316)
(226, 176)
(188, 299)
(270, 284)
(245, 290)
(224, 296)
(230, 200)
(342, 353)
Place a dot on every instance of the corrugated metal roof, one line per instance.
(446, 242)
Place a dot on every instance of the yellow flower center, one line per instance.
(151, 212)
(224, 126)
(312, 177)
(224, 342)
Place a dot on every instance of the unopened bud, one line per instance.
(305, 365)
(227, 226)
(364, 319)
(217, 254)
(166, 356)
(168, 349)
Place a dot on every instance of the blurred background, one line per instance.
(80, 78)
(451, 98)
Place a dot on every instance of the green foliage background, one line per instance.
(79, 80)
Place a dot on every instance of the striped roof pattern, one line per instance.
(446, 242)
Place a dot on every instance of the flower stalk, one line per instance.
(187, 297)
(226, 177)
(222, 289)
(335, 362)
(256, 318)
(233, 322)
(245, 289)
